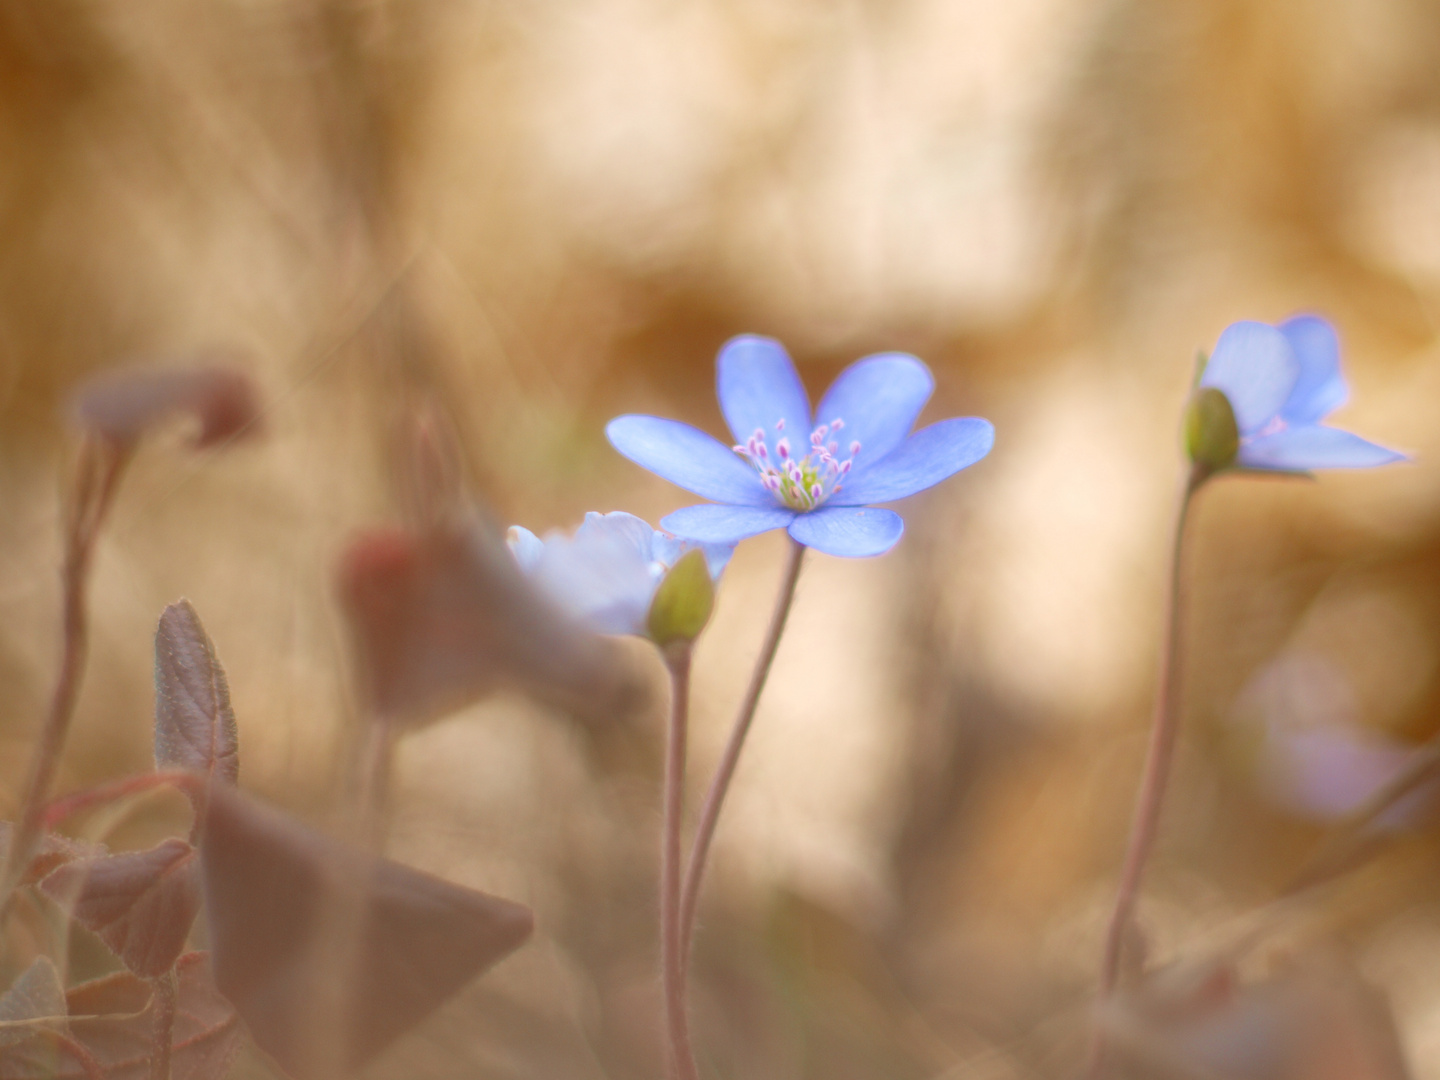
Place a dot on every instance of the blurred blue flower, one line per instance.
(607, 573)
(820, 486)
(1281, 382)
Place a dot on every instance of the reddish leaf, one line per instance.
(54, 851)
(275, 890)
(121, 406)
(36, 999)
(194, 724)
(111, 1023)
(443, 617)
(141, 903)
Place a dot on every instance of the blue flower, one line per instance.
(1281, 382)
(819, 482)
(607, 573)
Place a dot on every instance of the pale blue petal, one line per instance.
(924, 459)
(848, 531)
(688, 457)
(1300, 449)
(1321, 388)
(717, 557)
(625, 528)
(525, 546)
(879, 398)
(758, 386)
(725, 524)
(1254, 366)
(599, 577)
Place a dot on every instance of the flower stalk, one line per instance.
(677, 656)
(725, 771)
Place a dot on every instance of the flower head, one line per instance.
(606, 574)
(1280, 382)
(816, 477)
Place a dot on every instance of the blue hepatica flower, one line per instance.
(607, 573)
(817, 478)
(1281, 382)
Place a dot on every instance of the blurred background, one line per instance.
(545, 214)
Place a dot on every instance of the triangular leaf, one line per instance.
(35, 999)
(121, 406)
(141, 903)
(274, 887)
(194, 724)
(111, 1023)
(54, 850)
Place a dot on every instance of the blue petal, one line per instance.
(1256, 369)
(668, 549)
(688, 457)
(619, 526)
(525, 546)
(758, 386)
(725, 524)
(879, 398)
(924, 459)
(848, 531)
(1321, 388)
(1300, 449)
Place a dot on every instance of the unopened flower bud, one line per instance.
(683, 601)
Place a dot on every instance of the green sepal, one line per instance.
(1212, 438)
(683, 602)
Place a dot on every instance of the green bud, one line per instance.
(683, 602)
(1211, 435)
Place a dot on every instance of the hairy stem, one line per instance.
(1159, 756)
(720, 784)
(672, 960)
(98, 475)
(163, 1033)
(77, 802)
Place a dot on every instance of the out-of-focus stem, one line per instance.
(57, 810)
(672, 959)
(97, 478)
(163, 1033)
(720, 784)
(372, 787)
(1156, 776)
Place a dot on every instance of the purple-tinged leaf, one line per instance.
(444, 616)
(275, 892)
(194, 724)
(110, 1032)
(141, 904)
(36, 999)
(54, 850)
(122, 406)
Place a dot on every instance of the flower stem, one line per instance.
(720, 784)
(672, 960)
(163, 1032)
(1159, 756)
(97, 478)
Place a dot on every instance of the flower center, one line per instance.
(801, 483)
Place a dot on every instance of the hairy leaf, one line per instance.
(110, 1022)
(194, 724)
(121, 406)
(444, 616)
(275, 893)
(36, 999)
(141, 903)
(54, 850)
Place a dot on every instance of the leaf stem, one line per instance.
(57, 810)
(97, 478)
(672, 959)
(163, 1033)
(725, 771)
(1155, 778)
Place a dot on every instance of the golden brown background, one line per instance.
(546, 213)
